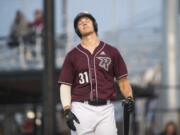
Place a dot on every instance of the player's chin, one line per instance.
(87, 33)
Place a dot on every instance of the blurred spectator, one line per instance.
(170, 129)
(38, 24)
(19, 29)
(37, 27)
(27, 127)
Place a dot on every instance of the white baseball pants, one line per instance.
(94, 120)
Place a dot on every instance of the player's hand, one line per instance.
(129, 104)
(70, 117)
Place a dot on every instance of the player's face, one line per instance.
(85, 26)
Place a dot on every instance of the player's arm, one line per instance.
(126, 91)
(65, 96)
(125, 87)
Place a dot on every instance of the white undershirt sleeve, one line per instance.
(65, 95)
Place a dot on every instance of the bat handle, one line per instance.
(126, 120)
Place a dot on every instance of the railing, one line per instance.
(21, 57)
(26, 55)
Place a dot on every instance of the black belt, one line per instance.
(96, 102)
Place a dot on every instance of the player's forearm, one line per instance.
(65, 96)
(125, 87)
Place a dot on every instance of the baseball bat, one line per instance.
(126, 120)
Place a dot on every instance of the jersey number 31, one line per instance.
(83, 78)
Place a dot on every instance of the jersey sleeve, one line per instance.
(67, 72)
(120, 69)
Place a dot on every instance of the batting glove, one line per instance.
(69, 116)
(130, 104)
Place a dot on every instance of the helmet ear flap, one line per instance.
(95, 26)
(78, 32)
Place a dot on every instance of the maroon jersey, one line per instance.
(91, 76)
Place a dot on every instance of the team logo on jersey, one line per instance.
(102, 53)
(104, 62)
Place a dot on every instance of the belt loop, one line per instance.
(85, 102)
(108, 102)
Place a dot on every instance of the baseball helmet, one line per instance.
(84, 14)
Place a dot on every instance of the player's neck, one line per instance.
(90, 41)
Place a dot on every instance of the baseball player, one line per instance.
(87, 81)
